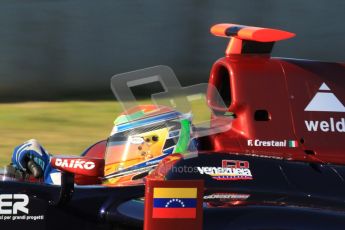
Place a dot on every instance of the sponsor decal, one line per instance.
(227, 196)
(14, 207)
(74, 164)
(272, 143)
(136, 140)
(325, 101)
(14, 203)
(174, 203)
(326, 126)
(230, 170)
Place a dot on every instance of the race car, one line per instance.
(279, 165)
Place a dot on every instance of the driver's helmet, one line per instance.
(141, 137)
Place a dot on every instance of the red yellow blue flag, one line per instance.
(174, 202)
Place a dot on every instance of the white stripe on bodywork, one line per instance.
(56, 178)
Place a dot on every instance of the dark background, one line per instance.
(69, 49)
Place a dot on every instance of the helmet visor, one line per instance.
(130, 148)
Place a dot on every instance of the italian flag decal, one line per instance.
(293, 144)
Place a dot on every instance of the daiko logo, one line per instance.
(12, 203)
(325, 101)
(74, 164)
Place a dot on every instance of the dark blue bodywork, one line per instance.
(282, 195)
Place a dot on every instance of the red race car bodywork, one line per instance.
(285, 108)
(282, 108)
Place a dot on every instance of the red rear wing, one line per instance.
(249, 39)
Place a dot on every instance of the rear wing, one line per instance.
(249, 39)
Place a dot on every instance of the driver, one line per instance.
(140, 138)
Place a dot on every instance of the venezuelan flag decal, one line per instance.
(174, 203)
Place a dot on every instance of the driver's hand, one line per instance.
(30, 157)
